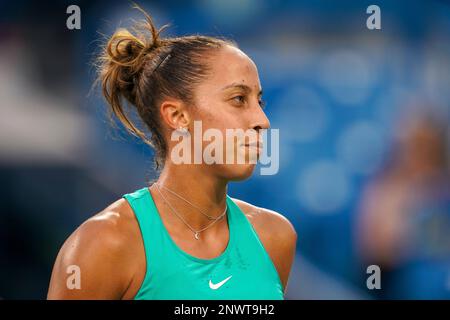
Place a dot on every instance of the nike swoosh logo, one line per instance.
(218, 285)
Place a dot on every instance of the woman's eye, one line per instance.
(240, 99)
(262, 103)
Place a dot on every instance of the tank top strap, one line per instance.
(155, 243)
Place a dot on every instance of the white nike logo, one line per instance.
(218, 285)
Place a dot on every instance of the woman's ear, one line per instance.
(175, 114)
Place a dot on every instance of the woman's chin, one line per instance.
(238, 172)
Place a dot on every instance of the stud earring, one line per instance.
(182, 130)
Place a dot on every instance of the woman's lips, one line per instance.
(253, 144)
(254, 147)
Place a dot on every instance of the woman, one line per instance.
(182, 237)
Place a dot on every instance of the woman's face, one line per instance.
(231, 98)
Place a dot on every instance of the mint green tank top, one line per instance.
(243, 271)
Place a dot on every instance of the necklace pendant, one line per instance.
(196, 235)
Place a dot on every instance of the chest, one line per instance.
(238, 275)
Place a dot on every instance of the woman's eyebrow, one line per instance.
(243, 87)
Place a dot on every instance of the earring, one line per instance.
(182, 130)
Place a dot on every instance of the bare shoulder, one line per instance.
(276, 233)
(268, 221)
(108, 230)
(102, 250)
(111, 227)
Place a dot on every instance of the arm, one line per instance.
(280, 241)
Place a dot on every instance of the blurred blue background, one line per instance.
(363, 118)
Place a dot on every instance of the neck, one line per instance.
(196, 185)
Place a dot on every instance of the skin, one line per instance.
(113, 265)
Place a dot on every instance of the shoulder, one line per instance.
(277, 235)
(103, 249)
(277, 226)
(108, 230)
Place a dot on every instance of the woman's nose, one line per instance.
(260, 120)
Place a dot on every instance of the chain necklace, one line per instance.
(193, 205)
(196, 232)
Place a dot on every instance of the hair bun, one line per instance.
(125, 54)
(124, 48)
